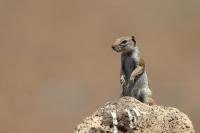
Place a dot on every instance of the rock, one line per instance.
(128, 115)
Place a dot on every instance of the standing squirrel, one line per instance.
(133, 77)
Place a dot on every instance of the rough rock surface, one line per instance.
(132, 116)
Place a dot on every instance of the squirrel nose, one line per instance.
(113, 47)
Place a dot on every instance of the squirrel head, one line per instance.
(125, 44)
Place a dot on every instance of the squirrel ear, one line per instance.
(133, 39)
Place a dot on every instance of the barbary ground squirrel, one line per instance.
(133, 76)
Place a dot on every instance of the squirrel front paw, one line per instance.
(122, 80)
(132, 78)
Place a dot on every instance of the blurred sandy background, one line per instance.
(57, 66)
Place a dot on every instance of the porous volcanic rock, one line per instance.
(132, 116)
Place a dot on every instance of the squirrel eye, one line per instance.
(124, 41)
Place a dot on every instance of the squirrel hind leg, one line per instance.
(147, 99)
(150, 101)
